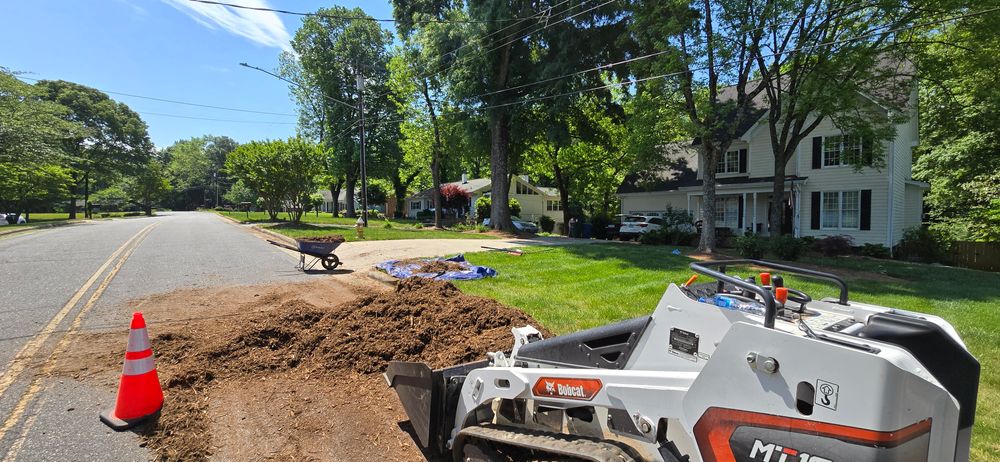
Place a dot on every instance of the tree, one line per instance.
(24, 188)
(196, 169)
(239, 193)
(115, 140)
(838, 60)
(705, 46)
(503, 61)
(281, 173)
(32, 130)
(960, 127)
(330, 53)
(454, 197)
(148, 185)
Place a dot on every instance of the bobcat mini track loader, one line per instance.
(733, 370)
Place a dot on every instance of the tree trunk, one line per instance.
(335, 194)
(499, 182)
(349, 211)
(707, 242)
(777, 212)
(562, 184)
(72, 196)
(86, 194)
(435, 157)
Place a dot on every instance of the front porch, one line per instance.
(744, 208)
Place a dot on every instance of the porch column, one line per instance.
(689, 203)
(753, 225)
(743, 224)
(796, 229)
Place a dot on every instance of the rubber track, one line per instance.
(552, 443)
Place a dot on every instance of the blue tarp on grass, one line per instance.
(403, 270)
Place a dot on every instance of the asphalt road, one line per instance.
(81, 276)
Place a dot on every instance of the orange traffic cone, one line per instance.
(139, 393)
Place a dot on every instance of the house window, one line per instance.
(727, 211)
(729, 162)
(553, 206)
(523, 189)
(841, 150)
(840, 210)
(415, 205)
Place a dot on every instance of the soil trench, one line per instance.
(293, 372)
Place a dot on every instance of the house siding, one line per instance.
(654, 202)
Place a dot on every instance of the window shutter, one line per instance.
(743, 161)
(814, 211)
(817, 152)
(867, 152)
(866, 209)
(739, 213)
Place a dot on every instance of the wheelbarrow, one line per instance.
(321, 252)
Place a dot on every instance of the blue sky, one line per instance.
(168, 49)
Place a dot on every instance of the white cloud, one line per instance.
(263, 27)
(138, 10)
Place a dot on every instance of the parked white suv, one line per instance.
(635, 225)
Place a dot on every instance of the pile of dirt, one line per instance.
(422, 320)
(440, 266)
(332, 239)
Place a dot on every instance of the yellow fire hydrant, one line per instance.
(359, 226)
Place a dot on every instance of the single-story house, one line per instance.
(535, 201)
(824, 194)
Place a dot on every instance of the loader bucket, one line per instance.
(429, 398)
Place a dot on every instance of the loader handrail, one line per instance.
(770, 310)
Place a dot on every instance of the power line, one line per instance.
(705, 68)
(186, 103)
(506, 40)
(352, 18)
(177, 116)
(298, 84)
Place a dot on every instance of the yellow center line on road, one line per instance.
(23, 357)
(36, 384)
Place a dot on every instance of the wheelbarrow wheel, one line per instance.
(331, 261)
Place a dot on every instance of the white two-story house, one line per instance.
(824, 195)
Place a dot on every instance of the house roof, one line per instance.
(476, 185)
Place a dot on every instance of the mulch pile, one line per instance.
(333, 239)
(440, 266)
(422, 320)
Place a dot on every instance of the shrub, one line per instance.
(483, 205)
(833, 246)
(131, 214)
(425, 214)
(418, 226)
(678, 219)
(655, 237)
(875, 251)
(454, 197)
(482, 228)
(724, 237)
(922, 244)
(387, 225)
(786, 247)
(750, 246)
(599, 225)
(688, 238)
(546, 223)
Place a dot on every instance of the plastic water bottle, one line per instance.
(722, 301)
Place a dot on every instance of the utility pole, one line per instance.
(364, 170)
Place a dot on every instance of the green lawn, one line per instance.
(321, 218)
(373, 233)
(576, 287)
